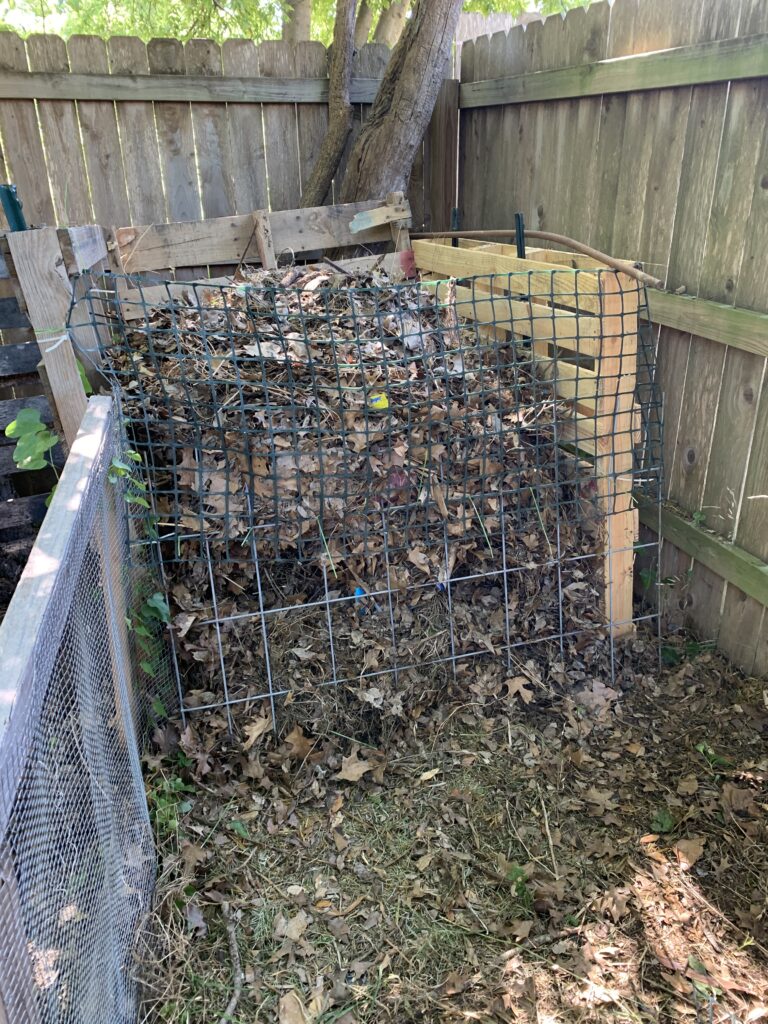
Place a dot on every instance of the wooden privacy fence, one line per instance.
(135, 133)
(661, 156)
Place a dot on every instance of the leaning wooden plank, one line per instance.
(746, 572)
(83, 247)
(572, 331)
(546, 281)
(165, 88)
(47, 293)
(26, 614)
(740, 328)
(387, 214)
(719, 61)
(230, 239)
(325, 227)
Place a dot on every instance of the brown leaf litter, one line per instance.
(499, 861)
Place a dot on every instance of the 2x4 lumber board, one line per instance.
(389, 214)
(20, 630)
(722, 60)
(542, 280)
(47, 292)
(572, 331)
(573, 382)
(83, 247)
(615, 420)
(230, 239)
(20, 85)
(739, 328)
(746, 572)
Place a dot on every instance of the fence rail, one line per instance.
(672, 171)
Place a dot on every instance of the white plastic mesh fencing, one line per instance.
(76, 855)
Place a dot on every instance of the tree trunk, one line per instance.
(363, 24)
(297, 21)
(339, 107)
(391, 22)
(383, 155)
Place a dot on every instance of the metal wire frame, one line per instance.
(217, 381)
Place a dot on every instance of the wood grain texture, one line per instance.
(720, 61)
(246, 131)
(61, 134)
(310, 61)
(101, 140)
(195, 88)
(276, 60)
(138, 139)
(47, 292)
(22, 143)
(210, 126)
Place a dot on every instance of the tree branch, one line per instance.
(363, 24)
(339, 107)
(391, 22)
(383, 154)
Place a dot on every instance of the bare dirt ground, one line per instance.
(514, 855)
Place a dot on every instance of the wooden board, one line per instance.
(138, 139)
(224, 239)
(101, 141)
(276, 60)
(210, 126)
(572, 331)
(719, 61)
(39, 266)
(246, 132)
(22, 144)
(193, 88)
(540, 279)
(443, 139)
(61, 134)
(310, 61)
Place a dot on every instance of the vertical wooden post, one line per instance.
(47, 292)
(615, 439)
(443, 138)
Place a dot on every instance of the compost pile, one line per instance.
(364, 464)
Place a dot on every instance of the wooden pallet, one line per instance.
(580, 320)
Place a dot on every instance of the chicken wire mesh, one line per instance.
(77, 861)
(363, 482)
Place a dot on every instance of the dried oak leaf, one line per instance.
(689, 851)
(688, 786)
(291, 1009)
(298, 745)
(256, 729)
(519, 686)
(292, 928)
(353, 768)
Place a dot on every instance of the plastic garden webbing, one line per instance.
(76, 850)
(317, 416)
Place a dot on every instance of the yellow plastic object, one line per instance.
(378, 401)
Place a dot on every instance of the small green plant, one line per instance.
(34, 443)
(120, 469)
(168, 799)
(518, 879)
(699, 517)
(144, 622)
(713, 760)
(663, 821)
(647, 578)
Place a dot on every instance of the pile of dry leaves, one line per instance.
(520, 856)
(390, 466)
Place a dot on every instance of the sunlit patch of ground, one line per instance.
(600, 857)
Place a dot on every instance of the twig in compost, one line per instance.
(336, 267)
(549, 835)
(237, 973)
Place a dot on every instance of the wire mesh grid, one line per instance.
(77, 861)
(359, 482)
